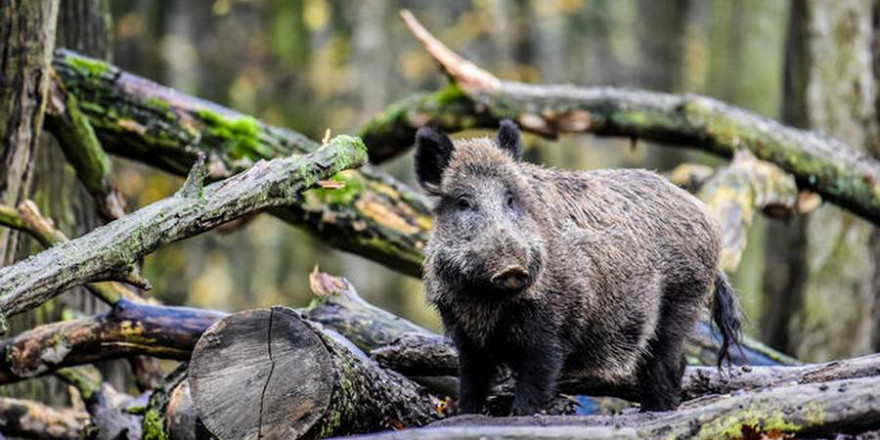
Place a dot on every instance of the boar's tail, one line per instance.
(726, 314)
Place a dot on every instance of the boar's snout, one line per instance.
(511, 278)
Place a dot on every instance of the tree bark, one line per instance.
(827, 255)
(27, 37)
(33, 420)
(113, 249)
(271, 374)
(374, 216)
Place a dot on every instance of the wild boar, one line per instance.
(605, 272)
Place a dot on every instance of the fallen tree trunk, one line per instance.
(843, 406)
(269, 373)
(374, 215)
(117, 246)
(33, 420)
(842, 175)
(127, 329)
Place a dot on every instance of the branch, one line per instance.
(29, 219)
(842, 175)
(373, 215)
(805, 410)
(115, 247)
(29, 419)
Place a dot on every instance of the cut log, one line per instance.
(33, 420)
(374, 215)
(117, 246)
(269, 373)
(841, 174)
(848, 406)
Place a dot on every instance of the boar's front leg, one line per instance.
(476, 368)
(537, 372)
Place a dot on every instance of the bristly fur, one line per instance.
(605, 272)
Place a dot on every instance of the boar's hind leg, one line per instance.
(661, 371)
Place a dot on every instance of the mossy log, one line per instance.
(270, 373)
(33, 420)
(82, 150)
(839, 173)
(127, 329)
(374, 215)
(195, 208)
(810, 410)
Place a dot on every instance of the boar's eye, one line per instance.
(463, 203)
(510, 201)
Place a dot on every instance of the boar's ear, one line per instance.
(433, 151)
(508, 139)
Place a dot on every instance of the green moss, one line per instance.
(239, 137)
(354, 186)
(157, 103)
(730, 425)
(88, 66)
(153, 426)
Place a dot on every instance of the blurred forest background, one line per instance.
(316, 64)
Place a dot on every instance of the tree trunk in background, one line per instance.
(27, 34)
(820, 272)
(84, 26)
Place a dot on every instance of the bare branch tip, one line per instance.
(466, 74)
